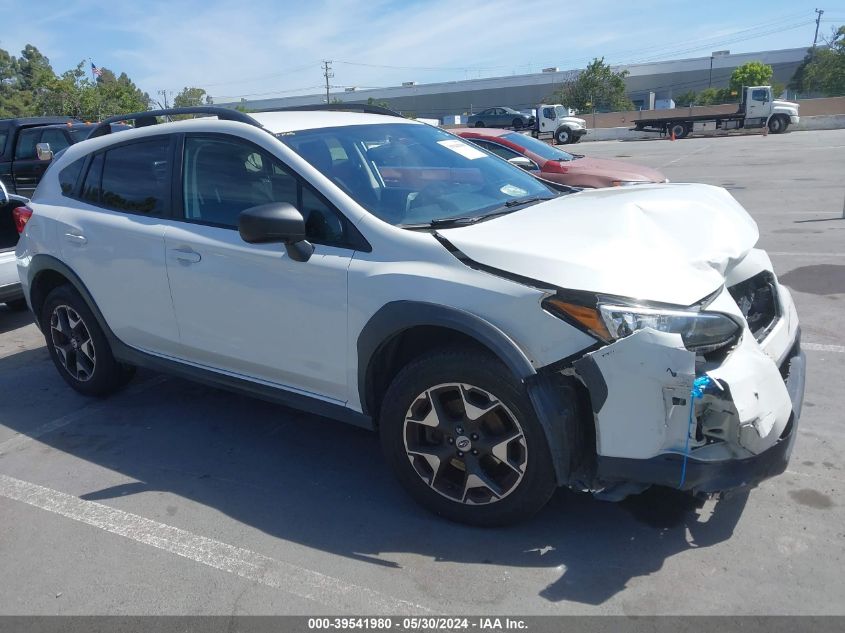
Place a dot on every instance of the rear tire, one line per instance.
(517, 124)
(453, 399)
(78, 346)
(680, 130)
(479, 124)
(778, 124)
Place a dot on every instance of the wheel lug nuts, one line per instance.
(459, 431)
(474, 436)
(474, 452)
(460, 454)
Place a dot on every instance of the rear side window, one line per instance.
(4, 134)
(69, 176)
(136, 177)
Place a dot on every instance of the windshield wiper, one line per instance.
(520, 201)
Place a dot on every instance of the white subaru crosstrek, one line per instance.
(504, 336)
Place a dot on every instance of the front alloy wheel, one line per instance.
(465, 444)
(462, 436)
(73, 343)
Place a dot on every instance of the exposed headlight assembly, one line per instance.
(701, 332)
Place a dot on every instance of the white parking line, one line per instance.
(818, 347)
(305, 583)
(22, 438)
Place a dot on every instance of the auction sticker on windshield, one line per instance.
(464, 149)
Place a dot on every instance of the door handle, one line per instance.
(76, 238)
(186, 255)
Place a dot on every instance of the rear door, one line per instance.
(113, 238)
(249, 309)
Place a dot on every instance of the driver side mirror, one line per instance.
(43, 151)
(277, 222)
(524, 163)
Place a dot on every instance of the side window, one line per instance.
(56, 138)
(224, 176)
(548, 113)
(136, 177)
(69, 176)
(27, 139)
(499, 150)
(91, 187)
(760, 95)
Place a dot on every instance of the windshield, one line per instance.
(561, 111)
(410, 174)
(544, 150)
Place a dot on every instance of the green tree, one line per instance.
(13, 100)
(685, 99)
(751, 74)
(381, 103)
(596, 87)
(823, 69)
(191, 97)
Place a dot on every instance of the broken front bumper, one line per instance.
(719, 475)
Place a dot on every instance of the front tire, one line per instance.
(778, 124)
(463, 439)
(679, 130)
(563, 136)
(78, 346)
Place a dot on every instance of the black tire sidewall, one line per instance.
(776, 125)
(486, 372)
(108, 374)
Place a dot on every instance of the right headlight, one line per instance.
(701, 332)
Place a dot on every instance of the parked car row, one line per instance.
(503, 334)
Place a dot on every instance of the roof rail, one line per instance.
(143, 119)
(337, 107)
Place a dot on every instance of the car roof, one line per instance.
(38, 120)
(295, 120)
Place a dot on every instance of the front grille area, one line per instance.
(758, 301)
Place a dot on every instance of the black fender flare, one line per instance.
(396, 317)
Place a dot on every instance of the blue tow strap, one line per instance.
(699, 386)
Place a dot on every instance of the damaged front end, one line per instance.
(692, 405)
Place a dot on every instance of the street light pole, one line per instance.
(710, 78)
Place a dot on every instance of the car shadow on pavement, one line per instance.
(324, 485)
(13, 319)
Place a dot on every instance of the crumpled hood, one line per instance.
(666, 242)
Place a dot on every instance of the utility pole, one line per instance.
(820, 12)
(163, 93)
(328, 74)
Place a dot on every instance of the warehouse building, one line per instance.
(648, 84)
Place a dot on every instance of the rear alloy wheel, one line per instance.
(517, 124)
(79, 347)
(778, 124)
(462, 437)
(479, 124)
(563, 135)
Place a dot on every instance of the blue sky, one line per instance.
(262, 49)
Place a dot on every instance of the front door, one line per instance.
(759, 106)
(249, 309)
(27, 170)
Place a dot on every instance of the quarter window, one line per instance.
(69, 175)
(91, 188)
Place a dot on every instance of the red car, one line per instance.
(551, 163)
